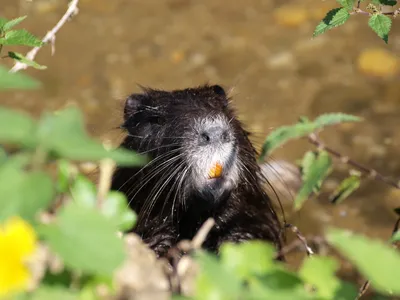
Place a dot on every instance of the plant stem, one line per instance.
(106, 171)
(345, 159)
(39, 158)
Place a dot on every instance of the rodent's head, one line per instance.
(192, 136)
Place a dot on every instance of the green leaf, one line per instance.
(396, 237)
(280, 285)
(248, 259)
(316, 174)
(280, 279)
(3, 155)
(304, 128)
(346, 3)
(63, 133)
(45, 292)
(214, 281)
(127, 220)
(20, 37)
(283, 134)
(346, 291)
(334, 18)
(63, 278)
(3, 21)
(64, 175)
(346, 187)
(19, 57)
(180, 297)
(10, 24)
(22, 193)
(335, 118)
(16, 80)
(116, 206)
(376, 261)
(320, 272)
(307, 162)
(17, 161)
(15, 127)
(83, 192)
(381, 24)
(85, 240)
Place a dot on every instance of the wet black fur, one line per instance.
(156, 119)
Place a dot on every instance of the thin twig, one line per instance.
(347, 160)
(358, 10)
(392, 13)
(201, 235)
(363, 289)
(303, 240)
(50, 36)
(295, 244)
(181, 263)
(106, 171)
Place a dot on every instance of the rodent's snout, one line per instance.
(213, 158)
(214, 135)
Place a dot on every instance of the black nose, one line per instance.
(214, 135)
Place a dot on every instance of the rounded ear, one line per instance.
(131, 105)
(218, 90)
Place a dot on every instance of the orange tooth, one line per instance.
(215, 171)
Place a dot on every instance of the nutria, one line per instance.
(202, 165)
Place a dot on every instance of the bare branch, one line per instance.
(358, 10)
(201, 235)
(107, 167)
(363, 289)
(346, 160)
(49, 37)
(180, 263)
(303, 240)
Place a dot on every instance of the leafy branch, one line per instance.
(371, 173)
(315, 167)
(49, 37)
(380, 21)
(22, 37)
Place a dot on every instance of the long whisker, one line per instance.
(181, 180)
(160, 147)
(166, 137)
(148, 165)
(159, 190)
(172, 188)
(155, 172)
(147, 205)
